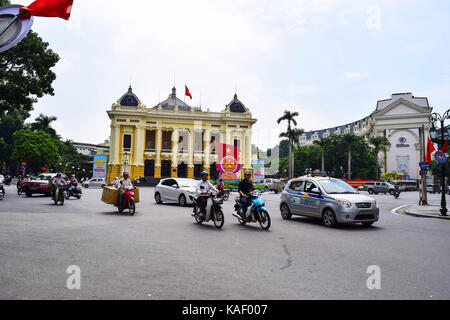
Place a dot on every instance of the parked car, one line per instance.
(94, 182)
(332, 200)
(379, 187)
(176, 190)
(274, 185)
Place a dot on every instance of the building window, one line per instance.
(166, 141)
(215, 137)
(150, 137)
(126, 142)
(198, 142)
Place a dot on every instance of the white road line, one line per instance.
(394, 211)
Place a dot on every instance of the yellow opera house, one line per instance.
(173, 139)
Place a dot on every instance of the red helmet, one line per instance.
(126, 172)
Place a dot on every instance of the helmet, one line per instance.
(248, 173)
(126, 173)
(73, 176)
(58, 174)
(203, 173)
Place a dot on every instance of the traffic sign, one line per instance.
(424, 166)
(440, 157)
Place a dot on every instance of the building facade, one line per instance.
(403, 119)
(173, 139)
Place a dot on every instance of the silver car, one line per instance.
(332, 200)
(176, 190)
(94, 182)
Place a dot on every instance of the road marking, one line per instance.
(394, 211)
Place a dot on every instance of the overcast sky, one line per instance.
(329, 60)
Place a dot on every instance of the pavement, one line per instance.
(428, 211)
(161, 253)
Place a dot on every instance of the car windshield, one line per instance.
(336, 186)
(188, 183)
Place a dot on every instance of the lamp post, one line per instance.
(435, 117)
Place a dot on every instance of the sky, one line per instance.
(329, 60)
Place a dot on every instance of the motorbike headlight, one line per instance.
(345, 203)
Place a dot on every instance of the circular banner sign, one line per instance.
(12, 28)
(440, 157)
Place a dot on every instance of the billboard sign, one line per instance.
(100, 166)
(258, 170)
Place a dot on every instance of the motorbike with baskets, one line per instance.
(213, 210)
(258, 213)
(128, 202)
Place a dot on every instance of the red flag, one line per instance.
(49, 8)
(430, 149)
(187, 93)
(445, 146)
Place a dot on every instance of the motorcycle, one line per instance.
(20, 186)
(60, 194)
(127, 201)
(257, 211)
(73, 190)
(224, 194)
(396, 192)
(213, 211)
(2, 191)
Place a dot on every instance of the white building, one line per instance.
(400, 119)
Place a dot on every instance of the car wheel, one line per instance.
(370, 191)
(86, 186)
(182, 200)
(285, 212)
(391, 192)
(158, 198)
(329, 218)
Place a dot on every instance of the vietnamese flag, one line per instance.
(187, 93)
(430, 149)
(445, 146)
(49, 8)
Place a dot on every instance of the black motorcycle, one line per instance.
(2, 191)
(20, 185)
(213, 211)
(73, 190)
(396, 192)
(60, 194)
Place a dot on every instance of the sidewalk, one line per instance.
(430, 211)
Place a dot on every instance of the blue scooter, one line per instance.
(74, 191)
(258, 213)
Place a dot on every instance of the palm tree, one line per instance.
(290, 118)
(321, 143)
(294, 139)
(380, 143)
(44, 123)
(350, 141)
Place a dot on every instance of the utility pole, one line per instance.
(424, 201)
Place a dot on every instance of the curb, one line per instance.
(425, 215)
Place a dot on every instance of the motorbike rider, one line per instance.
(203, 188)
(123, 186)
(73, 180)
(58, 179)
(245, 187)
(220, 186)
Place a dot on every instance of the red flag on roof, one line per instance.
(49, 8)
(187, 93)
(430, 150)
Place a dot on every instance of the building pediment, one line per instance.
(402, 107)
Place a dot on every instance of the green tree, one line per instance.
(43, 122)
(290, 118)
(25, 73)
(350, 140)
(321, 143)
(379, 143)
(10, 122)
(37, 149)
(284, 148)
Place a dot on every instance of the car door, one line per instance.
(294, 196)
(167, 190)
(310, 204)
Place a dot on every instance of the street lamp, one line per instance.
(435, 117)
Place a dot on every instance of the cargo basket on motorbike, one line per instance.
(110, 195)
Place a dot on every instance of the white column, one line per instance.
(207, 150)
(158, 146)
(139, 145)
(248, 147)
(113, 147)
(175, 135)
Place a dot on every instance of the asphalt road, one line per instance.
(161, 253)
